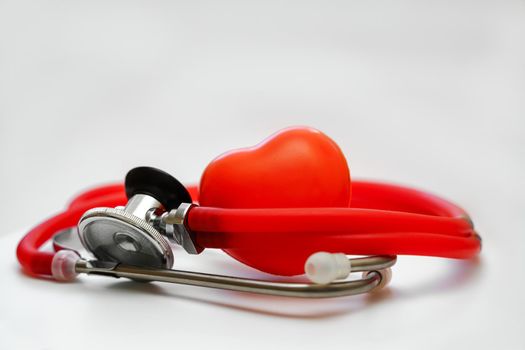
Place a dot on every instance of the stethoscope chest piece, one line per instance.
(130, 234)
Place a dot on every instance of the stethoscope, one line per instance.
(126, 231)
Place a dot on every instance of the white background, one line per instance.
(426, 93)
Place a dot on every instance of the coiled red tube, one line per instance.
(37, 262)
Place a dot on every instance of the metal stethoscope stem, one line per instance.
(374, 268)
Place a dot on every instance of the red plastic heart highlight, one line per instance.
(295, 167)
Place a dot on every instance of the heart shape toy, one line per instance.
(295, 167)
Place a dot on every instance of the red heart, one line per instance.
(295, 167)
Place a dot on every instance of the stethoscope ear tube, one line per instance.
(67, 264)
(376, 268)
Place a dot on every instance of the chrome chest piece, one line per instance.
(135, 234)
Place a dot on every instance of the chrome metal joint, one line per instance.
(176, 228)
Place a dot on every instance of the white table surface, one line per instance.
(426, 93)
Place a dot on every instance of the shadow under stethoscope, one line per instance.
(459, 273)
(261, 304)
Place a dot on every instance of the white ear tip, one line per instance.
(63, 265)
(324, 268)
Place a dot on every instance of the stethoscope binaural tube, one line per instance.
(435, 227)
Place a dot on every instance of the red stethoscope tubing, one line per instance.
(382, 219)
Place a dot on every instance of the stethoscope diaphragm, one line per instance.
(112, 234)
